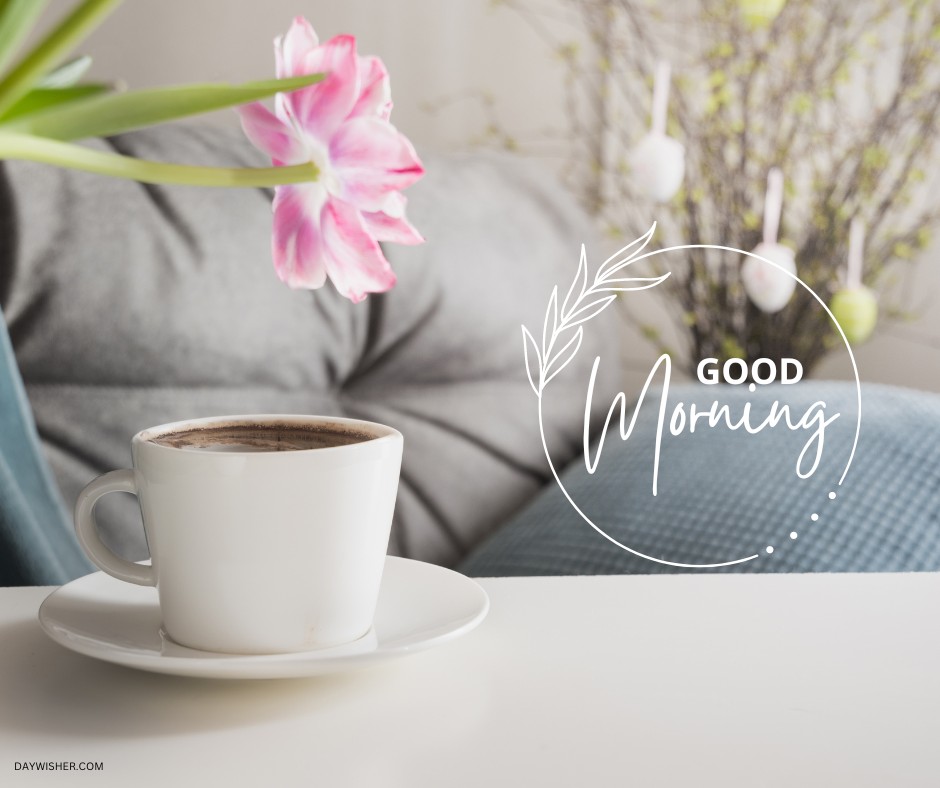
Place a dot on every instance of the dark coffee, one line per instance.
(261, 438)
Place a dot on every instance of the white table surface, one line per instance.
(787, 680)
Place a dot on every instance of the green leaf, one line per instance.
(85, 17)
(114, 113)
(42, 99)
(78, 157)
(16, 20)
(67, 74)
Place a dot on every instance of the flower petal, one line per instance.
(354, 258)
(291, 50)
(372, 159)
(321, 108)
(392, 229)
(270, 135)
(375, 97)
(395, 204)
(296, 243)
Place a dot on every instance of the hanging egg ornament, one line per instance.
(657, 162)
(856, 310)
(770, 287)
(855, 306)
(760, 13)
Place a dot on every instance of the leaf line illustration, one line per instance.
(563, 328)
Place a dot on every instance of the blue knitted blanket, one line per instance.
(724, 495)
(37, 544)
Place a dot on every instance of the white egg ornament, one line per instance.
(855, 306)
(770, 287)
(657, 162)
(658, 166)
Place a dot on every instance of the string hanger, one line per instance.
(853, 278)
(661, 80)
(773, 205)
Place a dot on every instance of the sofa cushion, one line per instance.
(131, 305)
(724, 495)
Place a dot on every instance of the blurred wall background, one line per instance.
(446, 55)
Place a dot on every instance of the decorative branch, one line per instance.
(745, 99)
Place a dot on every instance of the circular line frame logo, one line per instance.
(582, 303)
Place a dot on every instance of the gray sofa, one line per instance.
(132, 305)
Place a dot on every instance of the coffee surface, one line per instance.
(260, 438)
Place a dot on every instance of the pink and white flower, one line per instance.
(332, 227)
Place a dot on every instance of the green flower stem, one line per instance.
(77, 157)
(47, 54)
(16, 20)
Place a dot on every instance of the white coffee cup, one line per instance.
(256, 550)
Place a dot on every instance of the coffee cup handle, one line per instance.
(86, 529)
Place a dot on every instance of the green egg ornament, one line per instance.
(856, 310)
(760, 13)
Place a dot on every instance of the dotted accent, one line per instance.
(814, 517)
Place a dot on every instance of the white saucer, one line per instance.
(420, 606)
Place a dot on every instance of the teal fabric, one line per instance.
(37, 543)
